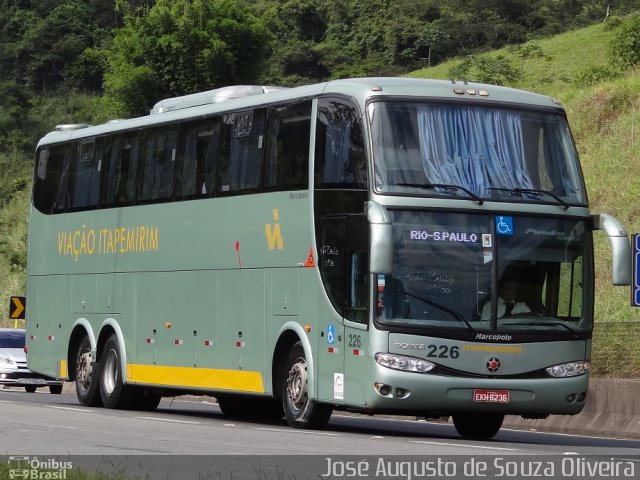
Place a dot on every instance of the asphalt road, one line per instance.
(41, 424)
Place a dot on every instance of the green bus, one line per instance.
(339, 246)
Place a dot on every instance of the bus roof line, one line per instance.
(211, 96)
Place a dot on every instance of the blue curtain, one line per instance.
(337, 151)
(473, 147)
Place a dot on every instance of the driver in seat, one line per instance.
(508, 303)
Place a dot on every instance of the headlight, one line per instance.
(571, 369)
(7, 361)
(406, 364)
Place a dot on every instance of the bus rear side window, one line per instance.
(51, 179)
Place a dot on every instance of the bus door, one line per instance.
(356, 309)
(331, 345)
(343, 264)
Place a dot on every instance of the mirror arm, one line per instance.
(620, 247)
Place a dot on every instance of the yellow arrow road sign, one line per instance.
(16, 307)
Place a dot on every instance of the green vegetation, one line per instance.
(108, 58)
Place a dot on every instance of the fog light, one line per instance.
(3, 375)
(571, 398)
(402, 393)
(382, 389)
(582, 397)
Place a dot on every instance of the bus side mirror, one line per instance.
(620, 247)
(381, 238)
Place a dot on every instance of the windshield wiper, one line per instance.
(444, 186)
(545, 324)
(454, 314)
(520, 191)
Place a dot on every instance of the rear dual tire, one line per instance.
(87, 375)
(100, 383)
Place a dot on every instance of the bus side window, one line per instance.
(340, 159)
(287, 147)
(50, 185)
(84, 181)
(197, 158)
(119, 172)
(157, 164)
(242, 142)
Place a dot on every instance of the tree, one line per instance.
(178, 47)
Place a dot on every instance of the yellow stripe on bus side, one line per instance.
(210, 378)
(63, 370)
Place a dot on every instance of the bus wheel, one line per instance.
(113, 392)
(478, 426)
(87, 375)
(300, 410)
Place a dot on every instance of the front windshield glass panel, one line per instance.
(452, 270)
(462, 151)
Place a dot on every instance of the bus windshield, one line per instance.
(474, 152)
(453, 271)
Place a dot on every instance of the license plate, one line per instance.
(31, 381)
(490, 396)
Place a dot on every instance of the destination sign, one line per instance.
(444, 236)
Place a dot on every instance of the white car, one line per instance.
(13, 364)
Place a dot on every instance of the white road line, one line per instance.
(170, 420)
(305, 432)
(443, 444)
(73, 409)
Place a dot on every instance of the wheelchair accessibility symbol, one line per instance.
(504, 225)
(331, 334)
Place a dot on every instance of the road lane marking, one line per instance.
(170, 420)
(444, 444)
(72, 409)
(306, 432)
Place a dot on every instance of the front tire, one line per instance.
(113, 392)
(478, 426)
(30, 388)
(299, 409)
(87, 376)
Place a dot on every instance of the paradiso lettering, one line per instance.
(103, 241)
